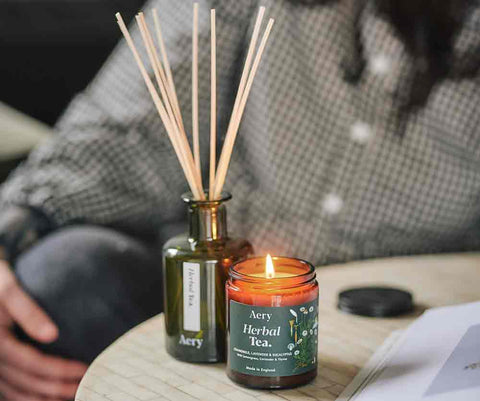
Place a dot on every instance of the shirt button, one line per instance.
(360, 132)
(380, 64)
(332, 204)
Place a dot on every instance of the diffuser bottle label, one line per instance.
(191, 296)
(273, 341)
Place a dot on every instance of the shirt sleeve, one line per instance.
(110, 162)
(19, 228)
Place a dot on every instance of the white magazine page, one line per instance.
(438, 360)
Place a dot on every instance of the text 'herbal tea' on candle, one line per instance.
(272, 322)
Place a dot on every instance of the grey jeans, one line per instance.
(95, 283)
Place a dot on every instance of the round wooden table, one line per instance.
(137, 367)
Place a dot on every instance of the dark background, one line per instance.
(51, 49)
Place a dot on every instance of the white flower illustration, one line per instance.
(311, 331)
(294, 314)
(315, 331)
(290, 346)
(302, 308)
(310, 309)
(304, 333)
(299, 341)
(296, 352)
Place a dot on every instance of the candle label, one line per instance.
(273, 341)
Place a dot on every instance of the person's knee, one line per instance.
(84, 259)
(95, 283)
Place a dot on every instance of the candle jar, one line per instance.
(272, 323)
(195, 268)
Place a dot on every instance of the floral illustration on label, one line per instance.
(304, 331)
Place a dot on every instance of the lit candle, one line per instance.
(270, 270)
(272, 322)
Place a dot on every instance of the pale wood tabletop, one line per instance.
(137, 367)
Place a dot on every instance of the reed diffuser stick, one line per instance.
(158, 104)
(233, 126)
(156, 65)
(168, 106)
(248, 61)
(195, 128)
(252, 74)
(186, 161)
(213, 104)
(168, 70)
(167, 98)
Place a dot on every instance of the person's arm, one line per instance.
(111, 162)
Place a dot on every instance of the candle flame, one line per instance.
(269, 269)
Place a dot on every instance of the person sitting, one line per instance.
(359, 140)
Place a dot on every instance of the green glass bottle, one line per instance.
(195, 268)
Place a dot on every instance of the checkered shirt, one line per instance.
(318, 170)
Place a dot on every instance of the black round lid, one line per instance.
(375, 301)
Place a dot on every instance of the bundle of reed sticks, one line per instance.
(167, 105)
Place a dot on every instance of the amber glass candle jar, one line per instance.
(272, 323)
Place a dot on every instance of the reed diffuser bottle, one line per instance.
(196, 266)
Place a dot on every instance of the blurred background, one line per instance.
(50, 49)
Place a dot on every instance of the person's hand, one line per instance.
(27, 374)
